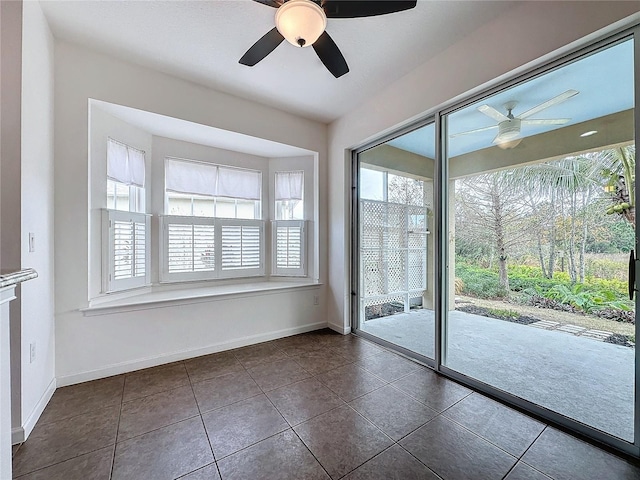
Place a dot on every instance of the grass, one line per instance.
(503, 313)
(587, 321)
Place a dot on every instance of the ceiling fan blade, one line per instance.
(483, 129)
(262, 47)
(492, 113)
(549, 121)
(364, 8)
(330, 55)
(270, 3)
(555, 100)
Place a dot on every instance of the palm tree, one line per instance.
(564, 187)
(618, 167)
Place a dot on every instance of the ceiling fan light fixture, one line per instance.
(301, 22)
(508, 130)
(589, 133)
(509, 144)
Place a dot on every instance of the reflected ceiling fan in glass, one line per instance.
(510, 126)
(302, 23)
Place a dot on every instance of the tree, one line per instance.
(567, 186)
(490, 207)
(405, 190)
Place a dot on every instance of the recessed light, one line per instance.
(589, 133)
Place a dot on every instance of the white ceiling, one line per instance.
(202, 41)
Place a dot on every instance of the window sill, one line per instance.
(149, 299)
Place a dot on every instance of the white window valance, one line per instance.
(239, 183)
(125, 164)
(197, 178)
(289, 185)
(193, 178)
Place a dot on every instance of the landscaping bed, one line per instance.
(622, 333)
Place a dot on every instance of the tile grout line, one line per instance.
(477, 434)
(291, 428)
(416, 458)
(115, 444)
(206, 432)
(310, 452)
(66, 460)
(524, 453)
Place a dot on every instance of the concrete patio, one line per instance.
(582, 378)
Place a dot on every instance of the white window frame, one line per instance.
(110, 283)
(218, 271)
(282, 271)
(136, 197)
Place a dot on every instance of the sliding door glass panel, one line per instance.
(395, 202)
(541, 196)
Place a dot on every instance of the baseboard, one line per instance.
(339, 328)
(20, 434)
(130, 366)
(39, 408)
(17, 435)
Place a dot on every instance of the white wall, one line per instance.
(95, 346)
(521, 35)
(38, 378)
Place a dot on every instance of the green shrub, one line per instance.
(480, 282)
(593, 295)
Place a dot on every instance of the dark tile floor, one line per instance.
(312, 406)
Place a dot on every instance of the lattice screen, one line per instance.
(393, 253)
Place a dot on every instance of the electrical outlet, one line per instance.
(32, 352)
(316, 300)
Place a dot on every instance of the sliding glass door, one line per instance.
(541, 181)
(503, 253)
(395, 247)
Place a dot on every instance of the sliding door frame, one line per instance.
(355, 240)
(441, 244)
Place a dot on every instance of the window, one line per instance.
(207, 190)
(213, 228)
(170, 215)
(288, 230)
(125, 226)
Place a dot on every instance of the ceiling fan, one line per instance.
(303, 22)
(509, 126)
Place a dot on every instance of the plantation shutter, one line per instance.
(289, 247)
(189, 248)
(201, 248)
(126, 240)
(242, 247)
